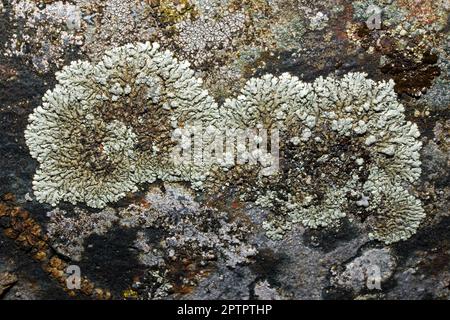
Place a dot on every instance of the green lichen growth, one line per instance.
(107, 127)
(345, 145)
(336, 134)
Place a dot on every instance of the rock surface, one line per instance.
(225, 253)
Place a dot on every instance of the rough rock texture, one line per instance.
(386, 233)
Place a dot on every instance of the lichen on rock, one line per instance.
(68, 233)
(335, 135)
(398, 213)
(177, 239)
(108, 127)
(104, 128)
(370, 270)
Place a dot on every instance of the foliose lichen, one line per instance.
(345, 147)
(104, 128)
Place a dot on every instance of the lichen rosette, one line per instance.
(107, 127)
(337, 135)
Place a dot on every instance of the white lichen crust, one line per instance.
(398, 213)
(268, 101)
(335, 133)
(67, 233)
(104, 128)
(178, 239)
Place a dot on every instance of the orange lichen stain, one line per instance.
(9, 197)
(130, 294)
(338, 26)
(175, 10)
(10, 233)
(144, 203)
(236, 205)
(3, 210)
(40, 256)
(425, 11)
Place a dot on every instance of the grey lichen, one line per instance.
(200, 39)
(189, 227)
(337, 134)
(68, 233)
(263, 291)
(178, 239)
(370, 270)
(399, 213)
(268, 101)
(108, 127)
(104, 128)
(44, 34)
